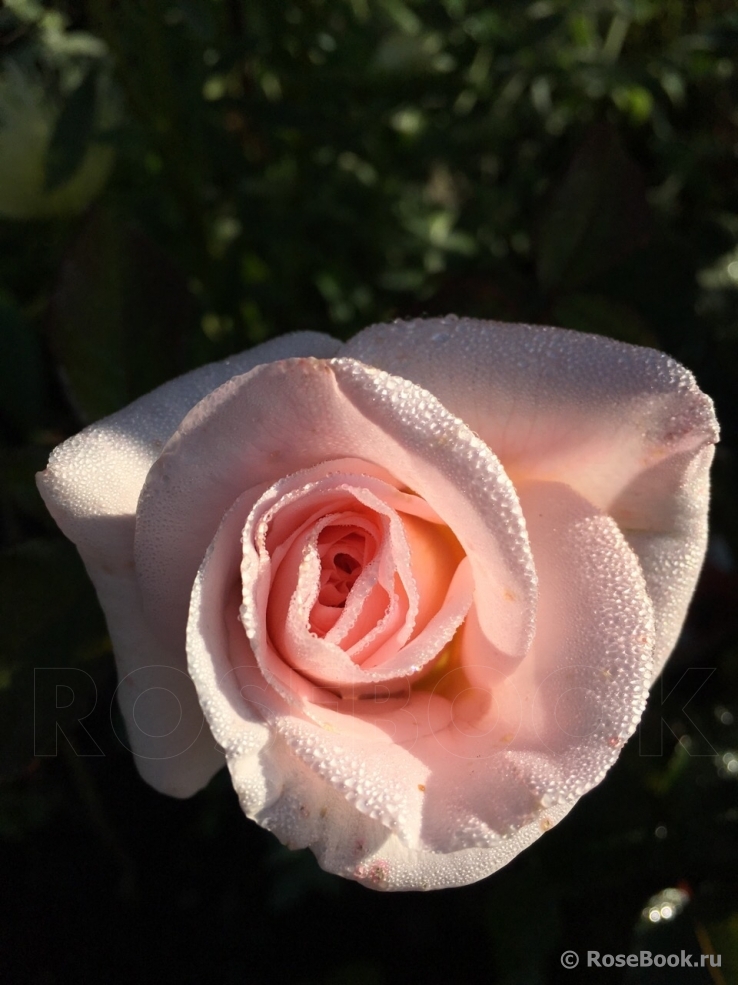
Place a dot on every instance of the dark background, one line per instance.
(180, 179)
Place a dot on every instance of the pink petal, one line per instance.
(280, 591)
(447, 804)
(425, 801)
(553, 728)
(557, 725)
(627, 427)
(275, 419)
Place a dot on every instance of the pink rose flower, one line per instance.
(421, 581)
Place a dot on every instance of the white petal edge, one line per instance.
(91, 487)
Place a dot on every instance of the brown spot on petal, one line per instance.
(421, 787)
(377, 873)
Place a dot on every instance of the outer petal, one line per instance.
(671, 545)
(627, 427)
(91, 487)
(349, 843)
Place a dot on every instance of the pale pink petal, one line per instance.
(348, 842)
(295, 578)
(217, 648)
(164, 725)
(274, 419)
(558, 725)
(292, 595)
(263, 762)
(91, 487)
(672, 546)
(367, 797)
(625, 426)
(550, 732)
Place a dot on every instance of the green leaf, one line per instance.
(119, 316)
(596, 215)
(72, 133)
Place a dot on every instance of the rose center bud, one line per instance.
(342, 561)
(365, 583)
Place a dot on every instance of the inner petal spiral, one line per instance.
(343, 556)
(348, 581)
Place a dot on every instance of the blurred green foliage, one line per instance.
(180, 179)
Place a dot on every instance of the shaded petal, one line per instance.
(595, 619)
(217, 648)
(560, 720)
(91, 487)
(672, 548)
(307, 786)
(165, 727)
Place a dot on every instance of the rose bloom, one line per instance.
(413, 588)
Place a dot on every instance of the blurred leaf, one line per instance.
(596, 215)
(199, 18)
(72, 133)
(21, 376)
(118, 317)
